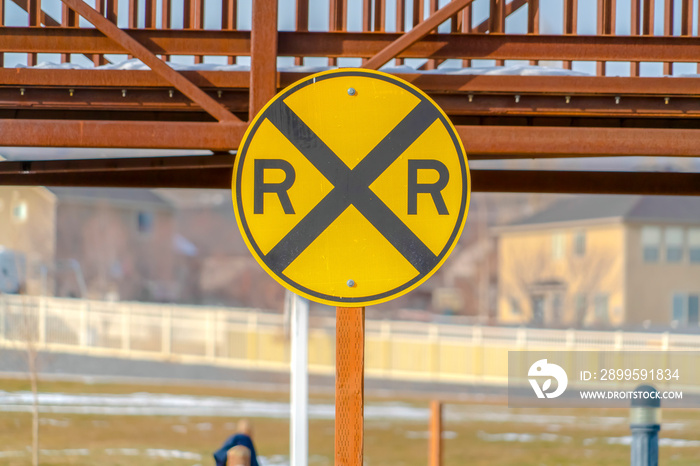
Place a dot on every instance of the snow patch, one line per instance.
(522, 438)
(412, 434)
(162, 453)
(179, 429)
(663, 442)
(513, 70)
(45, 421)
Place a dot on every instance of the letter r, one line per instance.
(434, 189)
(281, 188)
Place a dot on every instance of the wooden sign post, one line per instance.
(351, 188)
(349, 385)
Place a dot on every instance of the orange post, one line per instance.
(349, 385)
(435, 450)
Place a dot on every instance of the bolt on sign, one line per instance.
(351, 187)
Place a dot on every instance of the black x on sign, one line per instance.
(351, 187)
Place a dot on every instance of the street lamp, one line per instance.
(645, 423)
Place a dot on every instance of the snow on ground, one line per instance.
(413, 434)
(512, 70)
(45, 421)
(627, 440)
(147, 404)
(149, 452)
(161, 453)
(522, 438)
(156, 404)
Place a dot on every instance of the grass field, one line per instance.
(475, 434)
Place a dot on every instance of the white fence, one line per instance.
(250, 338)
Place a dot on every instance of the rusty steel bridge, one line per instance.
(497, 116)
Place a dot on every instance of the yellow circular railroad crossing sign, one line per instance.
(351, 187)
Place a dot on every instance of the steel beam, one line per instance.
(445, 83)
(263, 55)
(553, 141)
(139, 103)
(214, 172)
(479, 141)
(121, 134)
(358, 44)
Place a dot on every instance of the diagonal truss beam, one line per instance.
(415, 34)
(139, 51)
(511, 8)
(45, 18)
(482, 28)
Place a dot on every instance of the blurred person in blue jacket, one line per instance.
(242, 437)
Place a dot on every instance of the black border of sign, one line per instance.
(462, 161)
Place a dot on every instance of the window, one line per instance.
(693, 310)
(651, 240)
(678, 308)
(557, 246)
(145, 222)
(580, 243)
(685, 309)
(19, 211)
(673, 237)
(694, 245)
(601, 307)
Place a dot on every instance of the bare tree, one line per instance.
(587, 273)
(525, 267)
(534, 271)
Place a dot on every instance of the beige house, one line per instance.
(102, 243)
(602, 261)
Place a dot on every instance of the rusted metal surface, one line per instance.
(496, 116)
(354, 44)
(497, 21)
(207, 172)
(142, 53)
(570, 24)
(126, 134)
(435, 439)
(479, 141)
(263, 55)
(463, 84)
(539, 141)
(668, 30)
(635, 19)
(301, 21)
(533, 22)
(418, 32)
(490, 95)
(349, 385)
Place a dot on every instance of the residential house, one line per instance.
(602, 261)
(102, 243)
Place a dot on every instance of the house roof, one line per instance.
(624, 208)
(130, 195)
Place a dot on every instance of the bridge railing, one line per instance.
(249, 338)
(569, 31)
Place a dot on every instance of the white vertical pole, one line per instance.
(299, 386)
